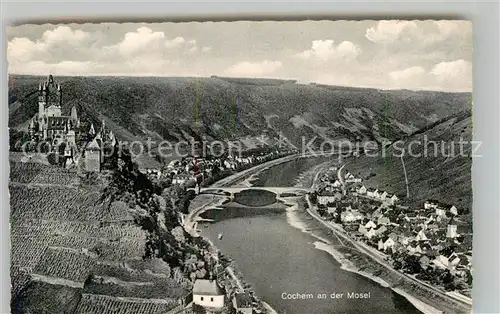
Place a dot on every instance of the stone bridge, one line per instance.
(279, 191)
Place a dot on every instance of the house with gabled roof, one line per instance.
(383, 195)
(393, 199)
(361, 190)
(373, 193)
(371, 233)
(421, 236)
(453, 210)
(389, 243)
(370, 224)
(208, 294)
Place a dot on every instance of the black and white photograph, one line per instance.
(272, 167)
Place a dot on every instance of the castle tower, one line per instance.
(93, 157)
(42, 100)
(49, 99)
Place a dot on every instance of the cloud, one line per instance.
(324, 50)
(417, 33)
(61, 37)
(388, 32)
(407, 74)
(448, 29)
(385, 54)
(21, 49)
(206, 49)
(454, 74)
(142, 40)
(253, 69)
(176, 42)
(64, 34)
(447, 75)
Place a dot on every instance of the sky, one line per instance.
(393, 54)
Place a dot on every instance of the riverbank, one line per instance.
(354, 257)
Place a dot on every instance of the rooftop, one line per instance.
(207, 287)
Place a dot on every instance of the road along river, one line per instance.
(288, 265)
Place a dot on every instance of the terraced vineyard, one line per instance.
(26, 251)
(91, 304)
(24, 172)
(63, 233)
(36, 173)
(65, 263)
(54, 203)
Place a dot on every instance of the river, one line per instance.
(284, 266)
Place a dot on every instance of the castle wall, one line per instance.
(53, 111)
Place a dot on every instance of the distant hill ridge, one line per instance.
(177, 108)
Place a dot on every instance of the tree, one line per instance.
(338, 219)
(412, 264)
(469, 277)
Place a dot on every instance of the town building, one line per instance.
(351, 215)
(328, 195)
(208, 294)
(361, 190)
(370, 192)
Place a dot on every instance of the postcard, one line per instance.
(241, 167)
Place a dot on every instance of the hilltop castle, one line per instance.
(49, 124)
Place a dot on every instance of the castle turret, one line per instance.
(103, 128)
(31, 128)
(74, 114)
